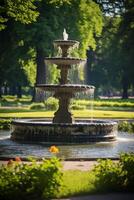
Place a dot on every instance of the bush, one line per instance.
(5, 124)
(115, 176)
(126, 126)
(51, 103)
(104, 103)
(37, 106)
(127, 162)
(79, 104)
(30, 181)
(77, 107)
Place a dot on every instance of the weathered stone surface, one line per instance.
(78, 132)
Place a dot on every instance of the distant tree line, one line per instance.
(103, 27)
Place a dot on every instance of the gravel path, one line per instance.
(78, 165)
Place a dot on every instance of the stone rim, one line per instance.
(76, 123)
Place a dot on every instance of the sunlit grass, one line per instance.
(76, 182)
(25, 113)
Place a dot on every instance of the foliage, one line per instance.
(127, 163)
(18, 38)
(126, 126)
(103, 103)
(113, 59)
(115, 176)
(22, 11)
(34, 180)
(51, 103)
(77, 106)
(90, 24)
(37, 106)
(5, 124)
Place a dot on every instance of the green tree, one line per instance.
(126, 50)
(82, 19)
(17, 10)
(112, 62)
(12, 14)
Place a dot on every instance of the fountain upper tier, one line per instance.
(65, 45)
(69, 43)
(65, 61)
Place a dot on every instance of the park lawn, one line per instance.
(76, 182)
(20, 113)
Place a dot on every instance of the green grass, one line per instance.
(119, 108)
(26, 113)
(76, 183)
(105, 108)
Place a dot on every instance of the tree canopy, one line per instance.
(21, 11)
(113, 58)
(103, 27)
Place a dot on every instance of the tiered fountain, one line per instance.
(63, 128)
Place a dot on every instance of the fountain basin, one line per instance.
(81, 131)
(66, 88)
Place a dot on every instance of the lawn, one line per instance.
(26, 113)
(11, 107)
(76, 182)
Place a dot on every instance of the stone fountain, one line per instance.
(63, 128)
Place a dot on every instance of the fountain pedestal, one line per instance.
(62, 115)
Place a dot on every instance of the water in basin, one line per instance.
(9, 148)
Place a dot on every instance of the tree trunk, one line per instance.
(13, 90)
(39, 95)
(0, 92)
(125, 88)
(19, 91)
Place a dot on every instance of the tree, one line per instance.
(17, 10)
(112, 61)
(83, 20)
(126, 50)
(12, 14)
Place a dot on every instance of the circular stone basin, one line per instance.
(66, 88)
(68, 43)
(82, 131)
(64, 60)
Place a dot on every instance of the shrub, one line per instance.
(126, 126)
(51, 103)
(115, 176)
(79, 104)
(107, 176)
(28, 181)
(37, 106)
(104, 103)
(127, 162)
(5, 124)
(77, 107)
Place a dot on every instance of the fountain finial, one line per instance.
(65, 35)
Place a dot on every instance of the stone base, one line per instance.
(78, 132)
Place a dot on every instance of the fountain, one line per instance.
(64, 128)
